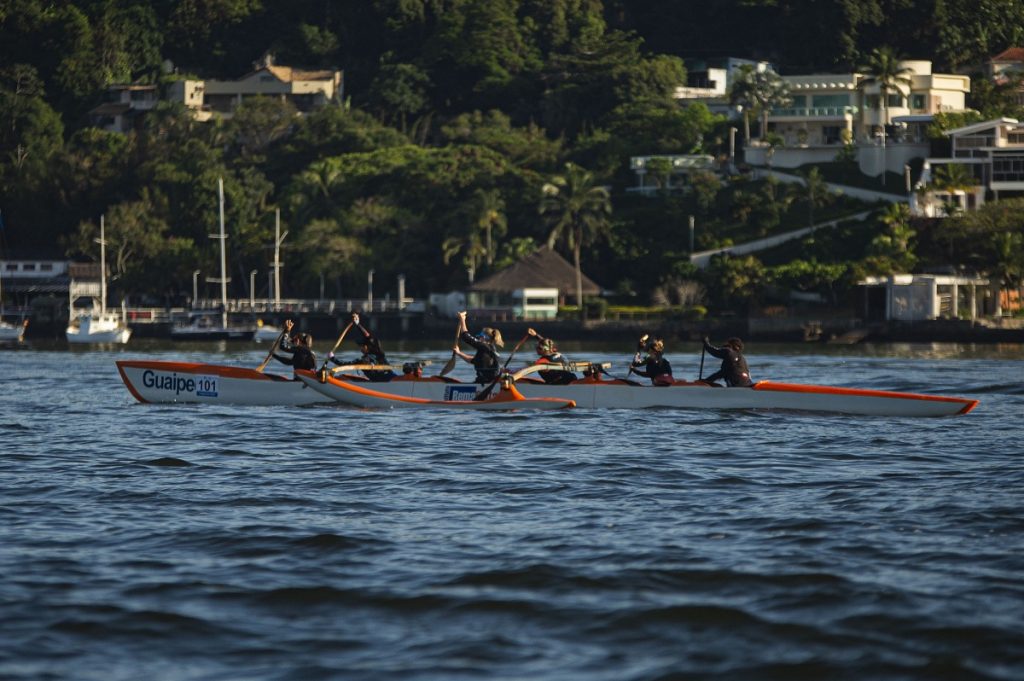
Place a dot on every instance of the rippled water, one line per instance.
(197, 542)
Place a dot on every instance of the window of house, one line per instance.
(1015, 138)
(12, 267)
(895, 100)
(917, 101)
(28, 267)
(874, 102)
(46, 267)
(1008, 168)
(825, 101)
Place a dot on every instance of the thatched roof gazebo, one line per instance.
(542, 269)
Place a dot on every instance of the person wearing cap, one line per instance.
(655, 366)
(372, 353)
(734, 366)
(547, 353)
(486, 344)
(298, 349)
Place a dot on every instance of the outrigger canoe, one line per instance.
(365, 394)
(597, 392)
(190, 382)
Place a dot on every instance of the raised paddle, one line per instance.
(336, 346)
(447, 368)
(700, 374)
(487, 391)
(273, 346)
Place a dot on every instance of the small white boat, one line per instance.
(266, 334)
(98, 327)
(208, 326)
(595, 392)
(158, 381)
(12, 333)
(505, 398)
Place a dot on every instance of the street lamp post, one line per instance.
(691, 234)
(732, 148)
(369, 291)
(252, 290)
(195, 287)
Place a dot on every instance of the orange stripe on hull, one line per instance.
(859, 392)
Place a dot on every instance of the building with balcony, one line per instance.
(306, 90)
(993, 154)
(668, 172)
(123, 106)
(824, 106)
(830, 110)
(708, 81)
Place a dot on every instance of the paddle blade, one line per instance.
(447, 368)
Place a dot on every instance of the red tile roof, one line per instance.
(1012, 54)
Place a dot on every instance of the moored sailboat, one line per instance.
(98, 325)
(204, 325)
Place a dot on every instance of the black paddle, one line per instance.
(270, 354)
(700, 374)
(447, 368)
(485, 393)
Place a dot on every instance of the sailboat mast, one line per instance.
(223, 257)
(103, 268)
(278, 240)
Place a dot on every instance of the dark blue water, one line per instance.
(196, 542)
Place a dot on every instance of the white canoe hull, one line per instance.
(191, 382)
(589, 394)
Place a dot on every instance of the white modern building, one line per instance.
(830, 110)
(993, 154)
(917, 297)
(708, 81)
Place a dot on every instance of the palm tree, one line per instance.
(884, 68)
(740, 94)
(769, 91)
(473, 250)
(578, 211)
(815, 192)
(489, 213)
(950, 179)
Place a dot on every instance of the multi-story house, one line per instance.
(306, 90)
(830, 110)
(991, 152)
(708, 81)
(1006, 65)
(122, 107)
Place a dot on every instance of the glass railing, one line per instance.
(816, 111)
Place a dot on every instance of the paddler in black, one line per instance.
(547, 353)
(298, 348)
(486, 344)
(655, 366)
(373, 353)
(734, 366)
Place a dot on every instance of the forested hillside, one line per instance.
(455, 115)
